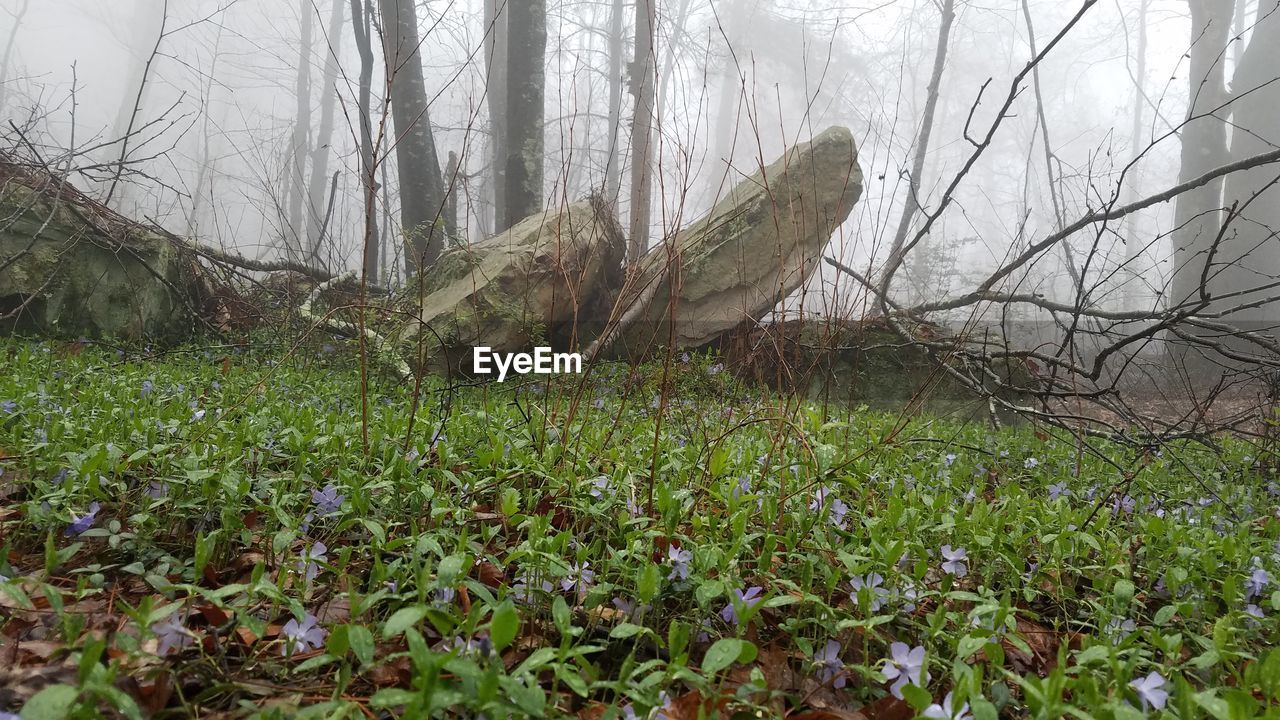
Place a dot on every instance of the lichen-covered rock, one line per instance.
(756, 246)
(547, 279)
(71, 269)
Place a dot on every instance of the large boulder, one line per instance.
(755, 247)
(548, 279)
(72, 268)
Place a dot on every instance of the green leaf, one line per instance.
(1123, 592)
(1213, 705)
(391, 697)
(1164, 615)
(724, 653)
(626, 630)
(400, 620)
(916, 696)
(504, 626)
(51, 703)
(982, 709)
(361, 639)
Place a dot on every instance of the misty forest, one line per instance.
(639, 359)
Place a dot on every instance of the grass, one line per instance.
(267, 544)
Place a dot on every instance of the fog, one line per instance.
(214, 149)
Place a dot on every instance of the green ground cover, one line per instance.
(226, 533)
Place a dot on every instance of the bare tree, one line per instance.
(321, 148)
(8, 49)
(421, 189)
(495, 46)
(361, 25)
(643, 87)
(295, 233)
(613, 158)
(1204, 147)
(524, 127)
(912, 203)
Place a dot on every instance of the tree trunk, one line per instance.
(451, 179)
(1197, 216)
(613, 162)
(324, 134)
(8, 50)
(643, 85)
(361, 20)
(295, 233)
(526, 87)
(912, 202)
(1250, 252)
(421, 191)
(150, 21)
(495, 46)
(1133, 274)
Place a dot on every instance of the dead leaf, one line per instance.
(889, 708)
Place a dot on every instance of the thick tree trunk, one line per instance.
(421, 190)
(361, 21)
(324, 134)
(495, 47)
(1197, 216)
(295, 234)
(1251, 248)
(526, 87)
(644, 84)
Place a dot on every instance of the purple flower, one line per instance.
(873, 583)
(600, 485)
(581, 577)
(1256, 583)
(748, 600)
(630, 609)
(1120, 629)
(522, 591)
(954, 564)
(836, 513)
(308, 564)
(599, 405)
(327, 501)
(444, 596)
(680, 560)
(1030, 463)
(1059, 490)
(84, 522)
(948, 710)
(905, 665)
(949, 459)
(909, 596)
(715, 369)
(171, 634)
(830, 666)
(304, 636)
(819, 498)
(1151, 691)
(157, 489)
(9, 407)
(744, 488)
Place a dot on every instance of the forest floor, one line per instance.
(222, 532)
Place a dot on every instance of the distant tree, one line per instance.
(495, 47)
(421, 189)
(321, 149)
(617, 45)
(294, 234)
(361, 24)
(524, 127)
(643, 87)
(8, 49)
